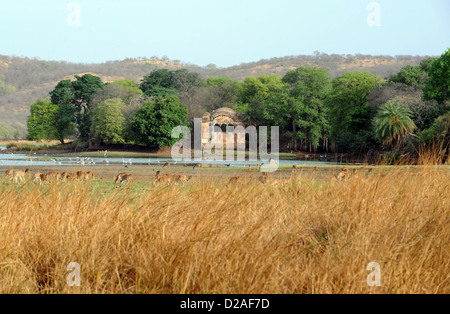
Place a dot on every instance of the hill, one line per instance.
(26, 80)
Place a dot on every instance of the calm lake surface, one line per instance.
(26, 160)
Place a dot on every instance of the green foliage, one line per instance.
(42, 121)
(130, 85)
(65, 122)
(63, 93)
(254, 92)
(411, 76)
(309, 89)
(153, 123)
(78, 95)
(348, 101)
(108, 122)
(165, 82)
(393, 123)
(84, 87)
(438, 84)
(439, 132)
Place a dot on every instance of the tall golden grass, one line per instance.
(310, 235)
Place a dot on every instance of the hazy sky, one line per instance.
(224, 32)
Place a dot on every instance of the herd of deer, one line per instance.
(160, 178)
(124, 177)
(19, 176)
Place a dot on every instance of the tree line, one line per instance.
(356, 111)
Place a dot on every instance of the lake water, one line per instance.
(25, 160)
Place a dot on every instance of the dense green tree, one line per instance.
(77, 94)
(63, 93)
(41, 123)
(223, 92)
(309, 88)
(108, 122)
(438, 84)
(411, 76)
(393, 124)
(126, 90)
(254, 92)
(84, 87)
(439, 133)
(153, 123)
(159, 83)
(349, 102)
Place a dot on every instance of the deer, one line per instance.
(181, 179)
(18, 176)
(162, 178)
(37, 177)
(51, 176)
(9, 173)
(341, 175)
(119, 177)
(125, 179)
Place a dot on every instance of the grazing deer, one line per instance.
(9, 173)
(119, 177)
(342, 175)
(18, 176)
(180, 179)
(89, 175)
(37, 177)
(51, 176)
(162, 178)
(294, 169)
(125, 179)
(72, 176)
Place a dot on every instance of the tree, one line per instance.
(309, 87)
(41, 123)
(393, 124)
(63, 93)
(439, 133)
(108, 122)
(153, 123)
(349, 102)
(77, 94)
(254, 92)
(438, 84)
(126, 90)
(424, 111)
(84, 87)
(159, 83)
(411, 76)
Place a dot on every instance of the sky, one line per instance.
(223, 32)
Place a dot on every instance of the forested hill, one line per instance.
(23, 80)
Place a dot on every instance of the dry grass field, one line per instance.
(305, 233)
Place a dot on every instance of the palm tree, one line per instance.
(393, 123)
